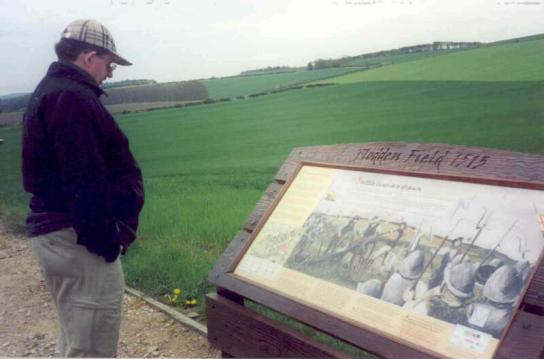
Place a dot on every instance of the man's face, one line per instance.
(102, 68)
(99, 67)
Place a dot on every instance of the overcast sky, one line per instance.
(172, 40)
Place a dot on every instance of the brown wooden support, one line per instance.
(241, 332)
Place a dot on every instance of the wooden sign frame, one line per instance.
(454, 163)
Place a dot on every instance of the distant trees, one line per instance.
(14, 104)
(269, 69)
(346, 60)
(126, 83)
(324, 64)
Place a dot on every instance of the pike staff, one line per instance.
(480, 227)
(498, 244)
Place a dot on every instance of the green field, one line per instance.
(205, 167)
(250, 84)
(521, 61)
(382, 60)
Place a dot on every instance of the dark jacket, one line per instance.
(77, 164)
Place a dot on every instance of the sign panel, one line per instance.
(436, 264)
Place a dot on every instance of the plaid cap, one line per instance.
(94, 33)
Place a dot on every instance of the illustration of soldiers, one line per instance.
(368, 238)
(501, 291)
(400, 232)
(447, 256)
(383, 251)
(313, 228)
(339, 238)
(372, 228)
(486, 270)
(403, 279)
(457, 289)
(448, 301)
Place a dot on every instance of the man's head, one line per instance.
(89, 45)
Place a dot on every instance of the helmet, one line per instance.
(504, 285)
(412, 266)
(459, 279)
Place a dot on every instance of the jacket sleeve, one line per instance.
(78, 143)
(127, 185)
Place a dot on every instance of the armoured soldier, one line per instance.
(458, 287)
(447, 302)
(501, 291)
(403, 279)
(486, 270)
(447, 256)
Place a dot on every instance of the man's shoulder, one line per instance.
(51, 89)
(69, 87)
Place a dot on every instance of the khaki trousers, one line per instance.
(87, 291)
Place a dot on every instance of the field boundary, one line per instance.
(172, 313)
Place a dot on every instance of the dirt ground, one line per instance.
(28, 321)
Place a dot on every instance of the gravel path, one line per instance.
(28, 321)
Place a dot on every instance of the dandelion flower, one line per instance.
(177, 291)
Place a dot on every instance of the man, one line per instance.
(457, 290)
(448, 301)
(86, 190)
(402, 280)
(501, 291)
(447, 257)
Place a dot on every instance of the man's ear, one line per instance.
(88, 57)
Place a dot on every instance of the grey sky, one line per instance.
(172, 40)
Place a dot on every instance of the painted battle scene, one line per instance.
(446, 278)
(465, 261)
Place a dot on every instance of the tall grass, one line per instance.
(185, 226)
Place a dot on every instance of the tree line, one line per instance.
(435, 46)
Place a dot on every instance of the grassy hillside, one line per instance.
(245, 85)
(206, 167)
(390, 59)
(513, 61)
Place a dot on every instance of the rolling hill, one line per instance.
(509, 61)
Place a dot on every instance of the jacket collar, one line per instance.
(66, 69)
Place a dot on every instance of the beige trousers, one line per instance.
(87, 291)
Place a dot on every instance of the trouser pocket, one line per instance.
(90, 330)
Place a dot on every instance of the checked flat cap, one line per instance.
(94, 33)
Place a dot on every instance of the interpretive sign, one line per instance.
(405, 250)
(440, 264)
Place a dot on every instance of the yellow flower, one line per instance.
(193, 302)
(177, 291)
